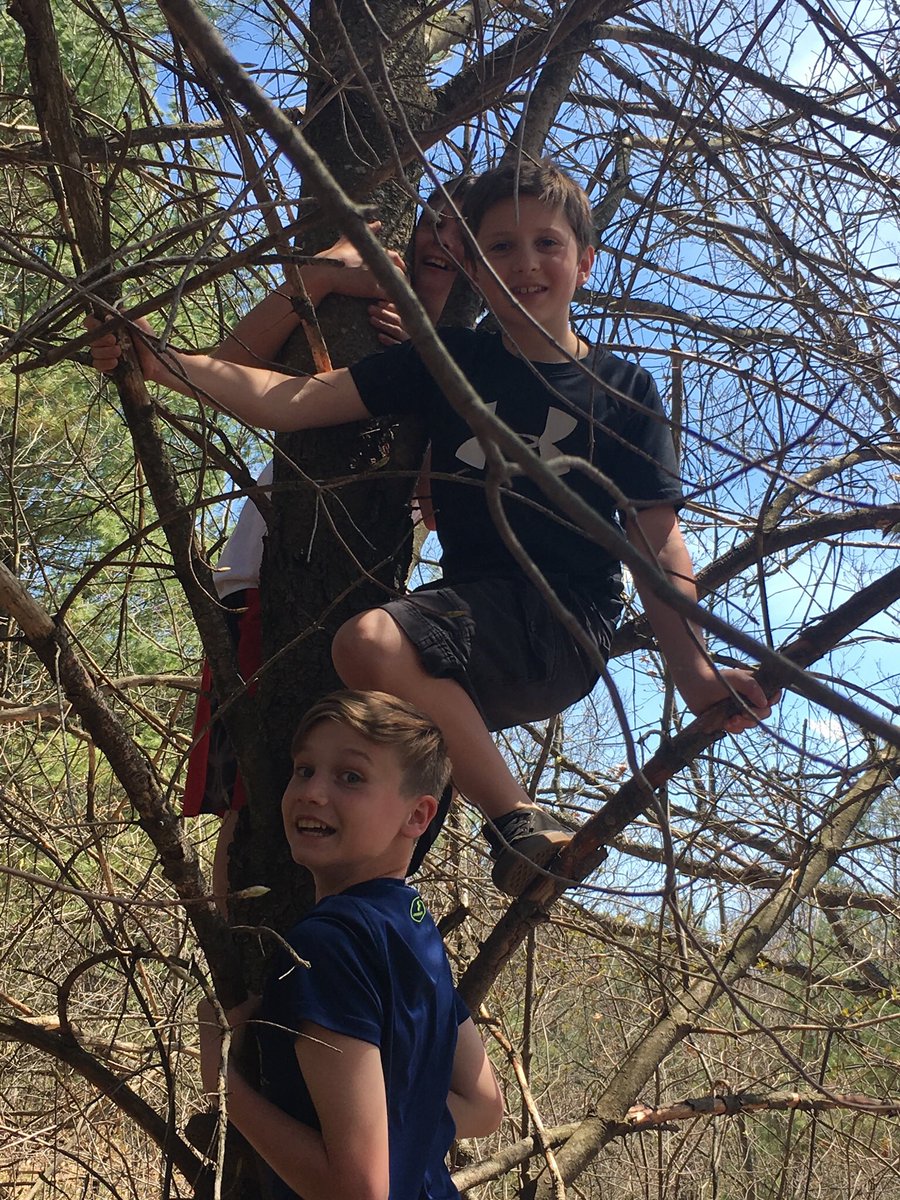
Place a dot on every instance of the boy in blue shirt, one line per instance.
(370, 1063)
(481, 650)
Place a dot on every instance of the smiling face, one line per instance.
(437, 253)
(347, 815)
(534, 252)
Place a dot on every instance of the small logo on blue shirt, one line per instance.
(417, 909)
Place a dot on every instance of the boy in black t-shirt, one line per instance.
(370, 1063)
(481, 649)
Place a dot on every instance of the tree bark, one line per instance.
(341, 533)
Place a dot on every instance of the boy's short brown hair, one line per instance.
(543, 179)
(386, 720)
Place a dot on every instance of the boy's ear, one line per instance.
(585, 265)
(420, 816)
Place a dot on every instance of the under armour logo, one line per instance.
(559, 425)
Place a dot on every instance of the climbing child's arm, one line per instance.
(348, 1159)
(259, 336)
(475, 1100)
(259, 396)
(683, 644)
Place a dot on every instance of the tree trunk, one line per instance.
(334, 548)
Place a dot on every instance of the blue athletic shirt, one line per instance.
(378, 972)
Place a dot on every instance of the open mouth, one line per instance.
(439, 264)
(533, 290)
(312, 828)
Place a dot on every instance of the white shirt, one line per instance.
(241, 558)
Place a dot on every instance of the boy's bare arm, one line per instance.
(345, 1078)
(259, 396)
(348, 1159)
(475, 1100)
(683, 645)
(259, 336)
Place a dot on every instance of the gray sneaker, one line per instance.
(520, 841)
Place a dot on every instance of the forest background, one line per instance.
(738, 946)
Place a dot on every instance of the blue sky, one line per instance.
(781, 391)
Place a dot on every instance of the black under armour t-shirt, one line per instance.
(603, 410)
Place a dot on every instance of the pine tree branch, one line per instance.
(632, 635)
(110, 1083)
(79, 193)
(588, 848)
(684, 1009)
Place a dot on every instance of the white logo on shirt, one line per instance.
(559, 425)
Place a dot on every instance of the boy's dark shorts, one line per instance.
(500, 641)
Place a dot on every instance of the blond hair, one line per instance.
(387, 720)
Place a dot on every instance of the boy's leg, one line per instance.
(372, 651)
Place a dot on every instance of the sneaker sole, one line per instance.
(514, 870)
